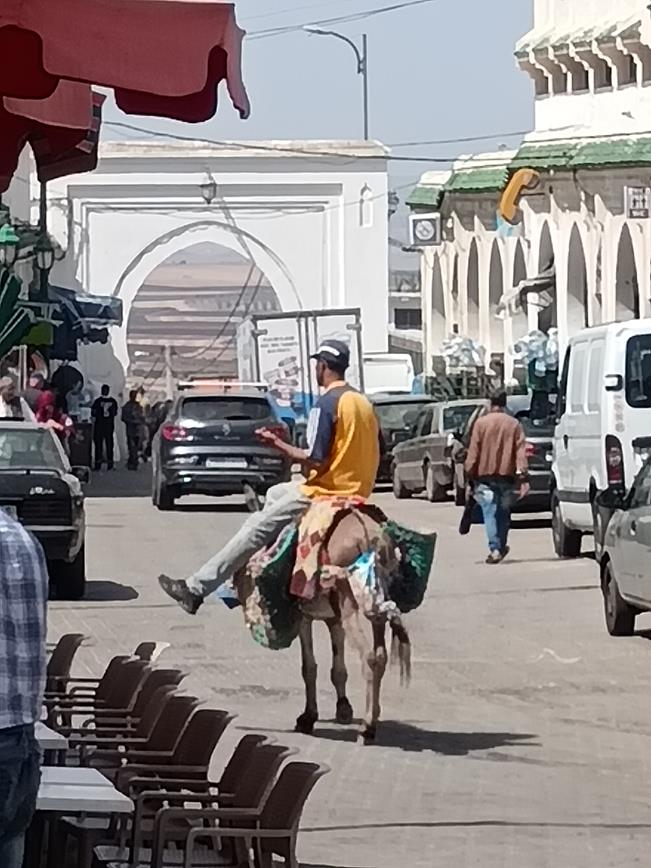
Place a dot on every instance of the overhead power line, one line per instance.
(275, 149)
(278, 12)
(339, 19)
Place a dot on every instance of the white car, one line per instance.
(603, 430)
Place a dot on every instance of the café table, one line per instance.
(53, 744)
(65, 792)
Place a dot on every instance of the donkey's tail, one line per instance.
(401, 650)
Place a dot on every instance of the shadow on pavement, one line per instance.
(211, 507)
(109, 592)
(120, 483)
(408, 737)
(518, 523)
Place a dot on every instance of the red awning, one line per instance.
(56, 128)
(161, 57)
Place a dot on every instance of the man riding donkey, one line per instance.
(341, 462)
(318, 551)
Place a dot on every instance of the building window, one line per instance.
(366, 207)
(408, 318)
(603, 75)
(580, 80)
(629, 72)
(542, 85)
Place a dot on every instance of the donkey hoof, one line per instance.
(305, 723)
(367, 735)
(344, 714)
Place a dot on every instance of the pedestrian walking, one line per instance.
(134, 419)
(497, 468)
(104, 412)
(23, 603)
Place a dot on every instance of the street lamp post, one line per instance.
(362, 64)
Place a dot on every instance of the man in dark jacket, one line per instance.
(134, 419)
(104, 411)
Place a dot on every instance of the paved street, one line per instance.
(523, 740)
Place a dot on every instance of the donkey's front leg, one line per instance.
(305, 723)
(375, 667)
(339, 673)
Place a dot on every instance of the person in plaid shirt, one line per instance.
(23, 609)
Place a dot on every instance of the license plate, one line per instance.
(11, 511)
(226, 463)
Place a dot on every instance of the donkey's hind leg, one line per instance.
(305, 722)
(374, 668)
(339, 673)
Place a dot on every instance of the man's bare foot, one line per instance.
(181, 594)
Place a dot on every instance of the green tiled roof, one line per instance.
(425, 196)
(481, 180)
(545, 155)
(613, 152)
(583, 154)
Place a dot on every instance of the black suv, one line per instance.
(207, 445)
(40, 489)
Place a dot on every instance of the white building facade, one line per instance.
(312, 216)
(586, 223)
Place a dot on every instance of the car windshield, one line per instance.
(638, 371)
(399, 415)
(212, 409)
(544, 423)
(29, 448)
(456, 418)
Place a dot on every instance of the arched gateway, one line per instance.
(289, 209)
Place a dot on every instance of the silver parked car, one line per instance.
(626, 561)
(424, 462)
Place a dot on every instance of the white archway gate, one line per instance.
(312, 216)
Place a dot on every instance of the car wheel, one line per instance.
(567, 542)
(434, 492)
(163, 497)
(620, 617)
(399, 490)
(600, 523)
(69, 579)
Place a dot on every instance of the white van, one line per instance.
(388, 373)
(603, 430)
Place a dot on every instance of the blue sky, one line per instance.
(440, 71)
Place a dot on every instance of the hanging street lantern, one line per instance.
(209, 189)
(9, 242)
(44, 252)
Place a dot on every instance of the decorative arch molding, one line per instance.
(578, 303)
(199, 232)
(495, 294)
(472, 319)
(627, 277)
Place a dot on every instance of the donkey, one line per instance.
(353, 534)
